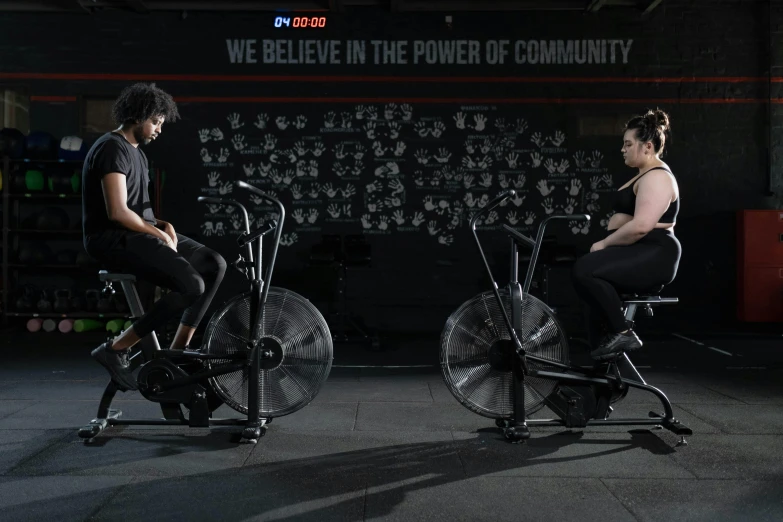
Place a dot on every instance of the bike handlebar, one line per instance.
(491, 205)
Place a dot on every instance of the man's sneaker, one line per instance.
(118, 365)
(615, 344)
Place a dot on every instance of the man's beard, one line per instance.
(140, 139)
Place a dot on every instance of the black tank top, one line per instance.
(625, 201)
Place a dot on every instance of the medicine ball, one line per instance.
(66, 257)
(41, 145)
(64, 179)
(35, 253)
(12, 143)
(72, 148)
(28, 179)
(52, 218)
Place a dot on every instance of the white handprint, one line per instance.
(579, 158)
(296, 191)
(239, 142)
(366, 221)
(544, 188)
(213, 178)
(203, 135)
(261, 121)
(300, 122)
(520, 181)
(576, 186)
(233, 119)
(595, 161)
(224, 153)
(558, 139)
(512, 217)
(298, 215)
(432, 228)
(512, 159)
(530, 218)
(333, 211)
(438, 129)
(205, 157)
(537, 139)
(459, 118)
(398, 217)
(418, 219)
(312, 216)
(208, 228)
(446, 240)
(407, 112)
(400, 149)
(480, 122)
(217, 134)
(548, 205)
(563, 166)
(536, 159)
(281, 122)
(383, 223)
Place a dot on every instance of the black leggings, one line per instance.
(600, 277)
(193, 273)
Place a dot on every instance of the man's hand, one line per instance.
(168, 229)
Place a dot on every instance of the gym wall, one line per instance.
(396, 126)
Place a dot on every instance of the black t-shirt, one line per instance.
(112, 153)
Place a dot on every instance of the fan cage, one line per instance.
(470, 333)
(297, 327)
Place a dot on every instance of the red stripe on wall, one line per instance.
(381, 79)
(251, 99)
(53, 98)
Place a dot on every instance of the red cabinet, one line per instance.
(760, 265)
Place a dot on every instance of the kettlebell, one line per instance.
(44, 303)
(76, 302)
(104, 305)
(91, 300)
(26, 302)
(62, 300)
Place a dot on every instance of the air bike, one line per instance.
(265, 353)
(504, 355)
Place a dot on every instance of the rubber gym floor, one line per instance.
(393, 444)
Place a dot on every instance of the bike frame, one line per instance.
(569, 374)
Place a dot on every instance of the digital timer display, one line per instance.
(300, 21)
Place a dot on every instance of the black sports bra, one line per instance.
(625, 201)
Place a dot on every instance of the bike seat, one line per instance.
(106, 275)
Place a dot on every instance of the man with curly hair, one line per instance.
(122, 232)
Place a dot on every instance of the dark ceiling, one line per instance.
(145, 6)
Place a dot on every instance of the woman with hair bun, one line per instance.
(640, 252)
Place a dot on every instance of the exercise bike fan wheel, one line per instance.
(299, 344)
(477, 353)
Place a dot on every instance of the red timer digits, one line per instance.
(300, 21)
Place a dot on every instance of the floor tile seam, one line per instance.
(613, 495)
(110, 498)
(690, 412)
(50, 446)
(27, 407)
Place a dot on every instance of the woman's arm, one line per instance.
(653, 197)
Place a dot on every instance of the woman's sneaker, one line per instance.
(117, 363)
(615, 344)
